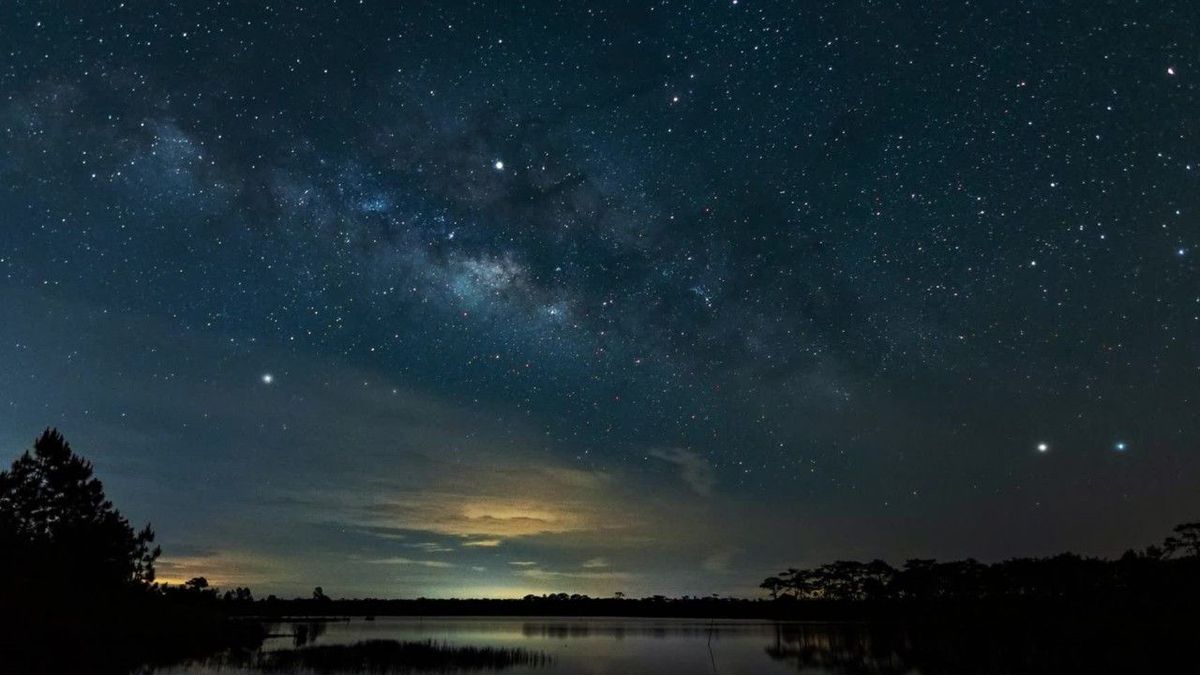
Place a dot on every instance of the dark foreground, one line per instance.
(1006, 643)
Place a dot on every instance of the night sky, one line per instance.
(488, 298)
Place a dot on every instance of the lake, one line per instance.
(604, 645)
(643, 646)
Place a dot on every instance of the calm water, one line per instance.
(629, 646)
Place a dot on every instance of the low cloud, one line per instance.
(410, 561)
(220, 568)
(383, 532)
(431, 547)
(693, 469)
(464, 515)
(718, 561)
(538, 573)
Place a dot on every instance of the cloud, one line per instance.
(220, 568)
(383, 532)
(431, 547)
(595, 562)
(529, 498)
(410, 561)
(693, 469)
(522, 563)
(538, 573)
(483, 543)
(718, 561)
(463, 515)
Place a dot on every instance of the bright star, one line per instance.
(1120, 446)
(499, 165)
(268, 378)
(1043, 447)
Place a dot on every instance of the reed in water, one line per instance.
(393, 656)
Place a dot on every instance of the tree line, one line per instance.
(1167, 569)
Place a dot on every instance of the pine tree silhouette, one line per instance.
(57, 529)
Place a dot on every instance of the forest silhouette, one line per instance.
(1165, 573)
(77, 580)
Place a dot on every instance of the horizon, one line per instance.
(449, 300)
(181, 575)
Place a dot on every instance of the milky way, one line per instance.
(451, 298)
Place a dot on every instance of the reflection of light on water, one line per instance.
(678, 646)
(618, 645)
(847, 649)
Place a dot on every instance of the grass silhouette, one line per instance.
(392, 656)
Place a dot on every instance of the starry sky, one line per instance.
(488, 298)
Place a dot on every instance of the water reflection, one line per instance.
(619, 629)
(523, 646)
(848, 649)
(306, 632)
(984, 647)
(393, 656)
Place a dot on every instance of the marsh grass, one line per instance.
(392, 656)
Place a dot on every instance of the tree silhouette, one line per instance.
(56, 526)
(772, 585)
(1185, 539)
(196, 585)
(77, 591)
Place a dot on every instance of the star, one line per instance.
(1043, 447)
(1120, 446)
(499, 165)
(267, 378)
